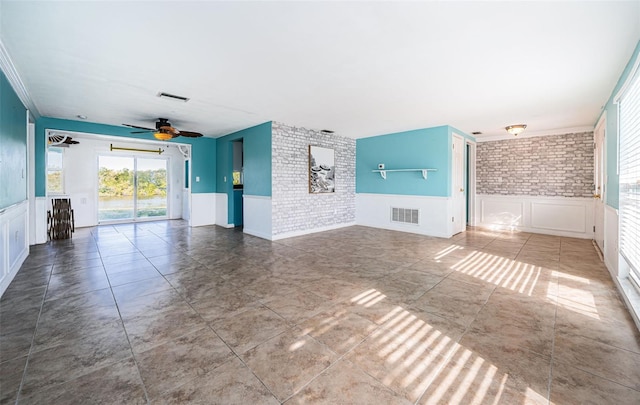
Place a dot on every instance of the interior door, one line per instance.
(458, 186)
(599, 181)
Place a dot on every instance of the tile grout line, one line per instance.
(133, 355)
(33, 338)
(338, 359)
(553, 346)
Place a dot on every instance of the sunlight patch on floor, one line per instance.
(507, 273)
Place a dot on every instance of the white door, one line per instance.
(599, 181)
(458, 190)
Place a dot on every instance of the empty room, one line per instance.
(288, 202)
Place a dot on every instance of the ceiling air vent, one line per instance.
(173, 97)
(405, 215)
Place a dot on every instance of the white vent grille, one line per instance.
(405, 215)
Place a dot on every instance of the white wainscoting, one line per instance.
(40, 219)
(374, 210)
(562, 216)
(222, 210)
(203, 209)
(14, 241)
(186, 204)
(257, 216)
(611, 240)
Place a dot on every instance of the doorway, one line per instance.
(238, 182)
(131, 188)
(470, 183)
(458, 195)
(599, 156)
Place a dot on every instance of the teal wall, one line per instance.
(203, 150)
(257, 163)
(237, 207)
(611, 110)
(13, 146)
(421, 148)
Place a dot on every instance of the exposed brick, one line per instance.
(559, 165)
(293, 207)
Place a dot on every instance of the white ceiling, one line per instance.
(358, 68)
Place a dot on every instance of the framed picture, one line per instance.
(322, 170)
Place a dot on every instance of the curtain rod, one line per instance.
(159, 151)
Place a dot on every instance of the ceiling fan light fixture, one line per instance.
(515, 129)
(163, 136)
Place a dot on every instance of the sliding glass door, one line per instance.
(131, 188)
(151, 188)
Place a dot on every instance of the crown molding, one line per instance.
(9, 70)
(551, 132)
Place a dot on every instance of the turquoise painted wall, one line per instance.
(13, 146)
(611, 110)
(257, 163)
(237, 207)
(203, 150)
(417, 149)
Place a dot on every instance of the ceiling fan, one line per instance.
(164, 131)
(61, 140)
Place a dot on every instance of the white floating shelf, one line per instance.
(383, 173)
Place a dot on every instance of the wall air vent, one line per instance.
(173, 97)
(405, 215)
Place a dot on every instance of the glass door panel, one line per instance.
(151, 195)
(116, 188)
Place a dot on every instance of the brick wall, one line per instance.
(293, 207)
(560, 165)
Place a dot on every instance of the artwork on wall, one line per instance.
(322, 170)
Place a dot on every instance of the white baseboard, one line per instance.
(203, 209)
(258, 234)
(561, 216)
(630, 296)
(374, 210)
(310, 231)
(14, 241)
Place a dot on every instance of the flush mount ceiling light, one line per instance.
(515, 129)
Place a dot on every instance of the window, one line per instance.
(629, 110)
(55, 177)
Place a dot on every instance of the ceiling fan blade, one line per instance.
(143, 132)
(137, 127)
(70, 141)
(190, 134)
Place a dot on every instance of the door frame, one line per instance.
(471, 176)
(455, 192)
(600, 179)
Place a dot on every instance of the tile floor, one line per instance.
(163, 313)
